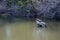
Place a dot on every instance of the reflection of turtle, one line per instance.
(40, 23)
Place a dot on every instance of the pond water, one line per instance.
(26, 30)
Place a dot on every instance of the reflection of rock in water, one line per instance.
(39, 34)
(8, 32)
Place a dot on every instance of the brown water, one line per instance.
(24, 30)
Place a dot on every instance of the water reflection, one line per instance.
(8, 32)
(26, 30)
(40, 34)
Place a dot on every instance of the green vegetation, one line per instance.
(19, 2)
(23, 2)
